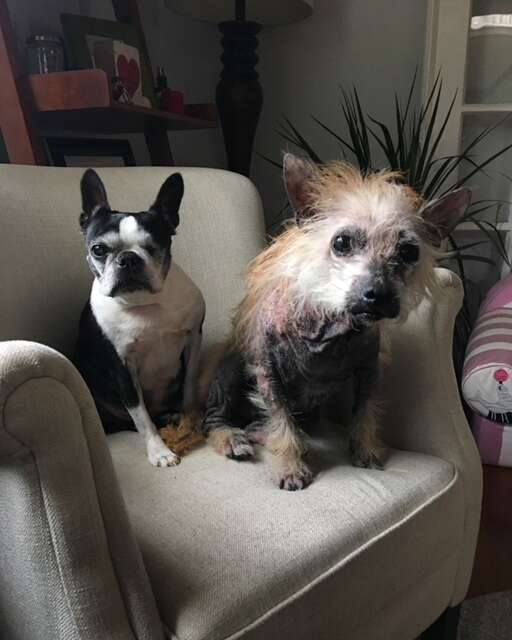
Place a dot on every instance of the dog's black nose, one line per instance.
(377, 295)
(380, 299)
(128, 260)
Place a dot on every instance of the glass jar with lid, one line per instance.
(45, 54)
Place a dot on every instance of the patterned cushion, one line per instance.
(487, 375)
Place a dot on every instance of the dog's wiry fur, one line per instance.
(361, 251)
(337, 191)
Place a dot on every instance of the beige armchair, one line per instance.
(95, 543)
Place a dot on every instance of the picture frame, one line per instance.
(90, 152)
(80, 33)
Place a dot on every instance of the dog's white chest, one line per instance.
(150, 339)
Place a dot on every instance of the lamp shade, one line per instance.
(265, 12)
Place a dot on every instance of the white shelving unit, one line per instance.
(486, 108)
(505, 227)
(447, 50)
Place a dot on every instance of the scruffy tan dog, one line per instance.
(360, 250)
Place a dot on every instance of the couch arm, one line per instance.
(70, 566)
(427, 415)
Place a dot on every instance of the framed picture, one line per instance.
(81, 33)
(90, 152)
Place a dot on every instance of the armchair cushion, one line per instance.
(69, 564)
(229, 554)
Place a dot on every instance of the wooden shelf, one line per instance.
(79, 101)
(117, 118)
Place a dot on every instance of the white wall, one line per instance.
(373, 44)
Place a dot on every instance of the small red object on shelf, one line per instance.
(172, 101)
(169, 100)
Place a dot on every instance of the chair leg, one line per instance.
(445, 627)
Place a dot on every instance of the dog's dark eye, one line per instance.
(99, 250)
(409, 252)
(150, 249)
(342, 244)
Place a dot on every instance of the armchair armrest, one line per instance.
(69, 562)
(423, 408)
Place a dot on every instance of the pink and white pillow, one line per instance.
(487, 375)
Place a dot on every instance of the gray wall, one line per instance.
(190, 51)
(372, 44)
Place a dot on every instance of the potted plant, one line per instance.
(410, 146)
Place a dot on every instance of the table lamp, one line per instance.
(239, 94)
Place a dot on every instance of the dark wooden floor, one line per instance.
(493, 561)
(492, 570)
(445, 627)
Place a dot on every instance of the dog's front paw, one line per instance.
(364, 458)
(296, 480)
(238, 447)
(160, 455)
(232, 443)
(369, 461)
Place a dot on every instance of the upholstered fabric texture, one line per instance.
(70, 567)
(228, 552)
(422, 409)
(359, 554)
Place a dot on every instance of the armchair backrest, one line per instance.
(44, 279)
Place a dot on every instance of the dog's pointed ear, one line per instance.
(298, 174)
(94, 196)
(169, 198)
(443, 215)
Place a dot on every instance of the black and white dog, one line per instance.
(140, 333)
